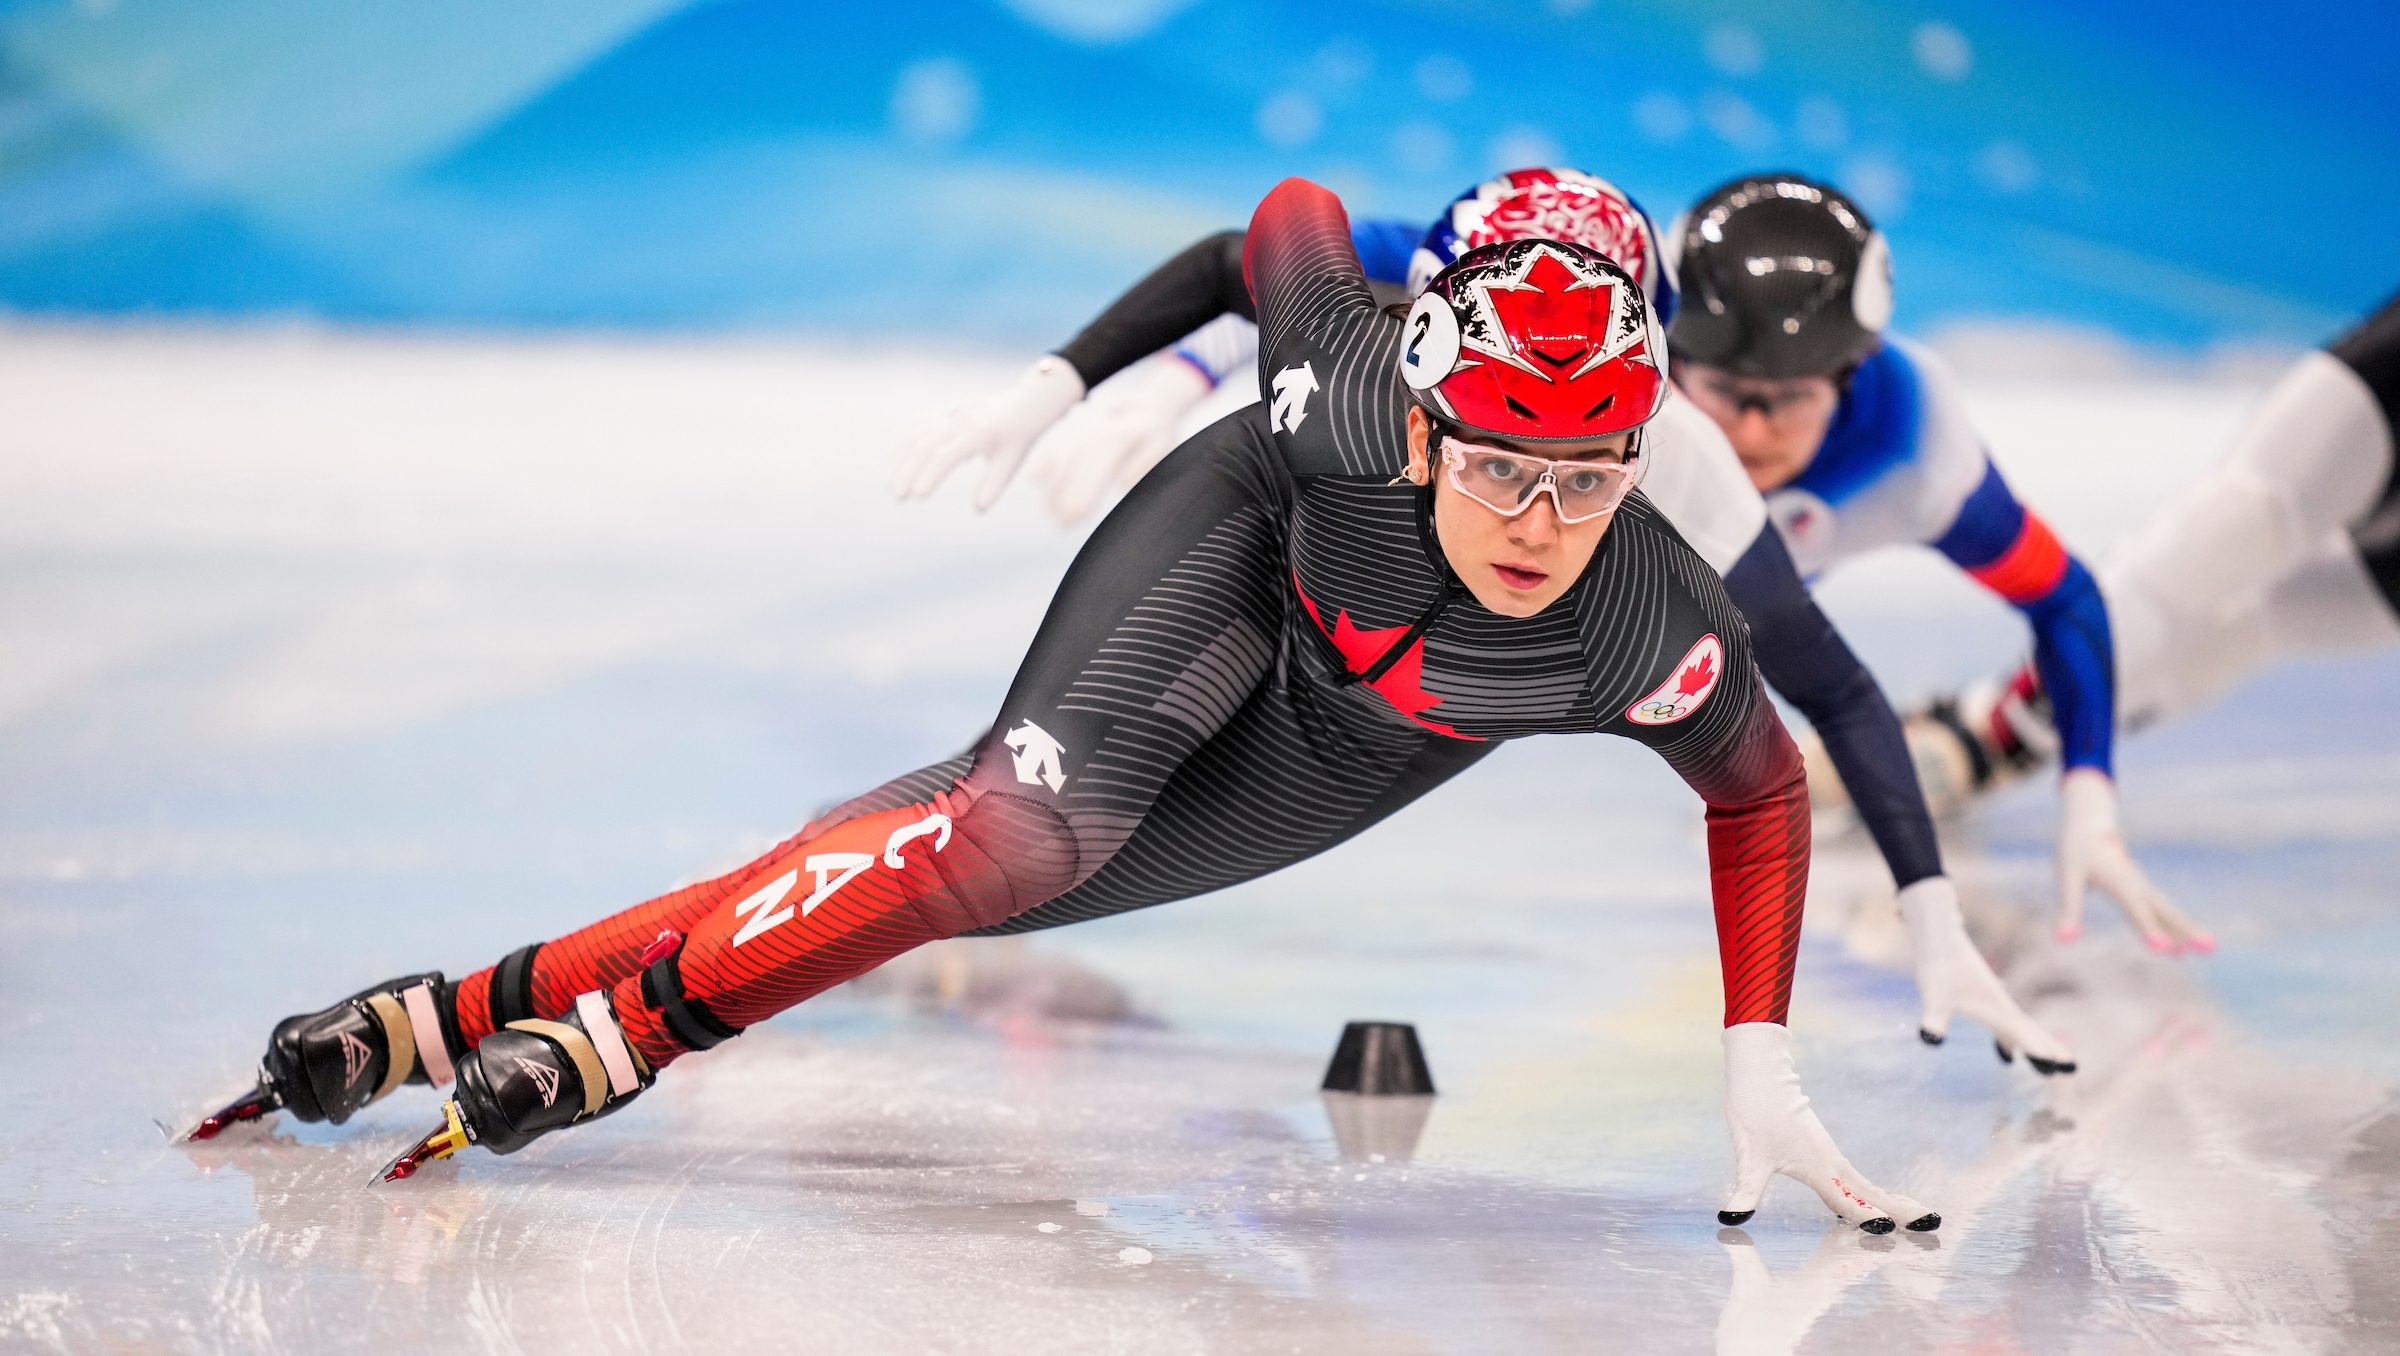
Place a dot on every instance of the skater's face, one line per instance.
(1516, 565)
(1775, 425)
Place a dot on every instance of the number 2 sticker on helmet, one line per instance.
(1428, 343)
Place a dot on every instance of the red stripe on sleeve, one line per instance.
(2029, 568)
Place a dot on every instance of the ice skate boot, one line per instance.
(324, 1066)
(532, 1077)
(1980, 740)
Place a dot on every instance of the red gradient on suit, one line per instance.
(603, 954)
(1758, 851)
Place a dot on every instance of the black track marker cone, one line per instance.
(1379, 1059)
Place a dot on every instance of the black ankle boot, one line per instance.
(324, 1066)
(532, 1077)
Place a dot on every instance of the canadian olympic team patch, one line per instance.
(1682, 694)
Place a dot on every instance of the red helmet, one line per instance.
(1535, 340)
(1550, 203)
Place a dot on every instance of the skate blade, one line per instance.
(251, 1105)
(449, 1139)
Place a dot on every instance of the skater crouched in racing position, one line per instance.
(1272, 644)
(1861, 441)
(1687, 471)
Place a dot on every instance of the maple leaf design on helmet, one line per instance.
(1535, 339)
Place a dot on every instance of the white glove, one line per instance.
(1952, 977)
(1775, 1132)
(999, 431)
(1115, 437)
(2091, 851)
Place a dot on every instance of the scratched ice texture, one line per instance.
(325, 658)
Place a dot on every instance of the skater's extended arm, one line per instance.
(2014, 554)
(1129, 427)
(1806, 660)
(1185, 293)
(1731, 748)
(1803, 657)
(1749, 772)
(1134, 419)
(1758, 846)
(1198, 303)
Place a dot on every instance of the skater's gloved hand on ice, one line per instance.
(1114, 438)
(1775, 1132)
(1953, 978)
(2091, 851)
(997, 431)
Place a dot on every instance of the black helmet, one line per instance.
(1781, 276)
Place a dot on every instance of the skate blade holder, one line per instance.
(443, 1142)
(1378, 1092)
(250, 1106)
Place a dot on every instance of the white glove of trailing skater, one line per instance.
(1775, 1132)
(1114, 438)
(998, 431)
(1952, 977)
(2091, 851)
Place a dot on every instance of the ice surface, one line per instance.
(328, 658)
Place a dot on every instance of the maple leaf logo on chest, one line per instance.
(1362, 648)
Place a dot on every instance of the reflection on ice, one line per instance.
(1765, 1314)
(1376, 1129)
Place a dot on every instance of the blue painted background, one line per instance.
(2182, 173)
